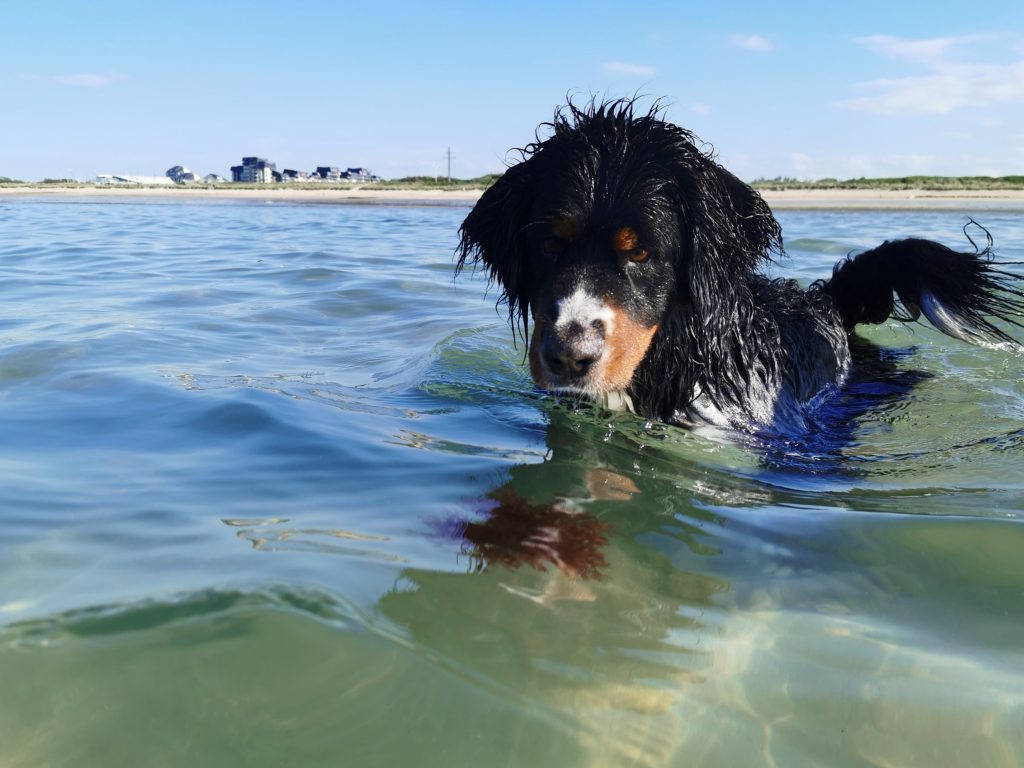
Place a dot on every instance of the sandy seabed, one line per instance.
(838, 199)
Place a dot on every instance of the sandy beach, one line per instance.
(270, 194)
(895, 199)
(838, 199)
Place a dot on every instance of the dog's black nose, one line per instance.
(569, 360)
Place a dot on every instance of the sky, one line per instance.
(798, 89)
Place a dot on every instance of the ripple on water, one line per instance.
(268, 473)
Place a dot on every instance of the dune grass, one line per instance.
(924, 183)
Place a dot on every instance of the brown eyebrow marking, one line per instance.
(563, 228)
(625, 240)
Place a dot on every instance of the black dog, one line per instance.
(636, 255)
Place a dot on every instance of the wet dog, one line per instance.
(636, 257)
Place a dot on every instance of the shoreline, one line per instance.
(790, 199)
(1010, 200)
(270, 195)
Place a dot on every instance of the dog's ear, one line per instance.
(493, 233)
(729, 223)
(759, 226)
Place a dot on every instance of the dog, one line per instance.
(637, 258)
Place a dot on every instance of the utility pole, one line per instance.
(450, 157)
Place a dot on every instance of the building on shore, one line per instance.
(359, 175)
(179, 174)
(213, 178)
(119, 180)
(255, 170)
(258, 170)
(328, 173)
(290, 175)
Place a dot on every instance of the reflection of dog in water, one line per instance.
(574, 513)
(516, 531)
(544, 515)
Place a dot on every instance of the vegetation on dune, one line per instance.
(406, 183)
(923, 183)
(440, 183)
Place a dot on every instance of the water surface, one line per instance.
(276, 489)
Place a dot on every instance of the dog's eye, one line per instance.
(626, 242)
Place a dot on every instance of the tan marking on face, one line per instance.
(563, 228)
(624, 349)
(626, 240)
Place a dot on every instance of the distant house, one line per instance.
(213, 178)
(179, 174)
(255, 170)
(359, 175)
(328, 173)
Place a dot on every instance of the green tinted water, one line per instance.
(275, 490)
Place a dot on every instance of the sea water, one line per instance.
(276, 489)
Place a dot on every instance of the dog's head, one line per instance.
(606, 227)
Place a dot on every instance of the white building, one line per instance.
(255, 170)
(133, 181)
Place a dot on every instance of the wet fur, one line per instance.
(721, 343)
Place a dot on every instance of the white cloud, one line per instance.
(803, 165)
(947, 85)
(960, 136)
(700, 108)
(752, 43)
(955, 158)
(905, 164)
(624, 68)
(79, 80)
(947, 89)
(925, 51)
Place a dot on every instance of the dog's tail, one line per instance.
(960, 293)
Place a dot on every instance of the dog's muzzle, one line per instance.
(569, 352)
(571, 342)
